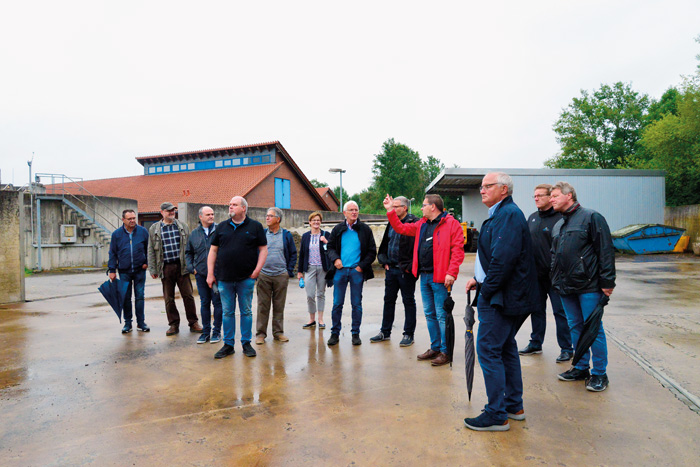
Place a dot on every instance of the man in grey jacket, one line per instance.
(166, 260)
(196, 255)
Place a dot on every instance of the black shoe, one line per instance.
(333, 340)
(565, 356)
(597, 383)
(143, 327)
(356, 339)
(248, 350)
(309, 325)
(574, 374)
(530, 350)
(406, 341)
(225, 351)
(379, 337)
(127, 328)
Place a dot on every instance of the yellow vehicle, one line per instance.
(471, 237)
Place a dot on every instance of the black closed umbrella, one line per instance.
(448, 306)
(590, 330)
(115, 293)
(469, 344)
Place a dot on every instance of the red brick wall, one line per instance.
(263, 195)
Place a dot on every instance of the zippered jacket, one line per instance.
(541, 225)
(128, 255)
(155, 248)
(368, 247)
(448, 244)
(197, 251)
(290, 251)
(405, 246)
(583, 257)
(304, 252)
(505, 254)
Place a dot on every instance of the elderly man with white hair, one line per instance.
(352, 250)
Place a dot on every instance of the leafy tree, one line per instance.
(346, 196)
(600, 129)
(318, 184)
(431, 169)
(397, 170)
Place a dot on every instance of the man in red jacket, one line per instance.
(437, 255)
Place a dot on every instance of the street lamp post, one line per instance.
(341, 172)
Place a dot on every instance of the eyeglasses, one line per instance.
(540, 196)
(486, 187)
(425, 205)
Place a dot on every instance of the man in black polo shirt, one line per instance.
(237, 254)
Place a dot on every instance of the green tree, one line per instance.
(317, 184)
(397, 170)
(600, 129)
(346, 196)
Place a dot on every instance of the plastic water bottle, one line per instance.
(301, 282)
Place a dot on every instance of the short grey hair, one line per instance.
(346, 205)
(201, 210)
(565, 188)
(278, 212)
(403, 200)
(504, 179)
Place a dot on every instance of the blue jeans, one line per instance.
(228, 291)
(499, 360)
(578, 308)
(434, 296)
(394, 281)
(137, 282)
(539, 318)
(340, 285)
(206, 297)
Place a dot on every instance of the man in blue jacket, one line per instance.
(196, 254)
(127, 254)
(274, 277)
(505, 280)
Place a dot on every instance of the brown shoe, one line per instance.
(441, 359)
(172, 330)
(260, 339)
(428, 355)
(281, 337)
(195, 327)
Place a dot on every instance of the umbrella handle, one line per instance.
(449, 289)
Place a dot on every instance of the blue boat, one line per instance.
(646, 239)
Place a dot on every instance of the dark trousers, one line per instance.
(272, 290)
(539, 318)
(396, 280)
(137, 282)
(499, 360)
(172, 277)
(207, 297)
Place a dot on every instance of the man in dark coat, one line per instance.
(541, 224)
(506, 284)
(583, 269)
(396, 256)
(352, 251)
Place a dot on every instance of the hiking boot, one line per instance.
(203, 339)
(143, 327)
(565, 356)
(333, 340)
(215, 337)
(519, 415)
(574, 374)
(281, 337)
(597, 383)
(259, 340)
(379, 337)
(224, 351)
(195, 328)
(172, 330)
(428, 355)
(484, 422)
(127, 328)
(441, 359)
(407, 341)
(530, 350)
(356, 339)
(248, 350)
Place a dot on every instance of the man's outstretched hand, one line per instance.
(388, 203)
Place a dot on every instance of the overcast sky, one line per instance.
(90, 85)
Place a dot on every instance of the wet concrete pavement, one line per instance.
(74, 391)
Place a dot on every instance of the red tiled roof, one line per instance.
(322, 191)
(207, 186)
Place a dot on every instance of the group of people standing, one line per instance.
(562, 251)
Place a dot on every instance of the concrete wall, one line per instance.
(90, 251)
(11, 247)
(687, 217)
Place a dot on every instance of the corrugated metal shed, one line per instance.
(623, 197)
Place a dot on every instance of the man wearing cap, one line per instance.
(166, 260)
